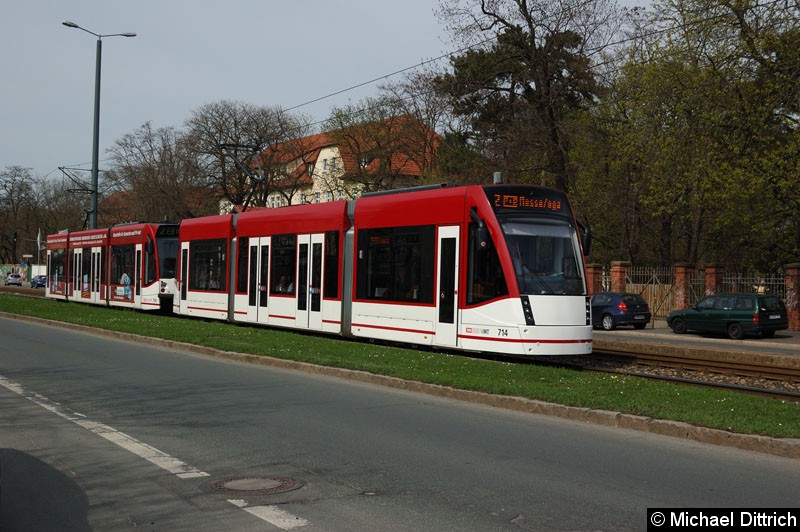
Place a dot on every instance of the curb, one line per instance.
(784, 447)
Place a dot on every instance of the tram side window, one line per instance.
(485, 279)
(149, 264)
(86, 267)
(331, 265)
(241, 265)
(103, 266)
(284, 262)
(73, 267)
(57, 267)
(207, 265)
(396, 264)
(123, 262)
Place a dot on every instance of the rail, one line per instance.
(763, 376)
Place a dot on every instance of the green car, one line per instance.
(733, 314)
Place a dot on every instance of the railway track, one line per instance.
(752, 365)
(774, 376)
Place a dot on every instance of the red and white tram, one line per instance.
(131, 265)
(495, 268)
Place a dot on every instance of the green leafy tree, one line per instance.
(519, 88)
(702, 124)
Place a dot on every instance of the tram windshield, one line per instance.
(167, 256)
(546, 256)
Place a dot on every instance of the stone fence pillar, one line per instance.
(714, 274)
(619, 275)
(683, 289)
(594, 277)
(792, 272)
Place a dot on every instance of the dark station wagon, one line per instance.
(733, 314)
(611, 309)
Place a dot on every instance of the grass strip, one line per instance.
(726, 410)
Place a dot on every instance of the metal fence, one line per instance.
(657, 286)
(697, 286)
(757, 283)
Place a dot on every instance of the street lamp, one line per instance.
(96, 136)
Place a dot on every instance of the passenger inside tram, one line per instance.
(284, 285)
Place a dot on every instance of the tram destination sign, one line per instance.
(168, 230)
(528, 199)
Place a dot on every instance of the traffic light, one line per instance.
(15, 238)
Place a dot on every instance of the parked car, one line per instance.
(733, 314)
(39, 281)
(13, 279)
(611, 309)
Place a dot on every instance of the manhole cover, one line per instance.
(255, 485)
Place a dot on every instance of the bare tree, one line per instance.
(154, 178)
(382, 146)
(227, 139)
(28, 204)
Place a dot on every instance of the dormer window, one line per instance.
(365, 159)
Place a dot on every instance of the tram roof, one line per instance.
(207, 227)
(426, 206)
(311, 218)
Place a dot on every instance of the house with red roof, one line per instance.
(342, 164)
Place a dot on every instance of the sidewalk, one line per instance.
(784, 342)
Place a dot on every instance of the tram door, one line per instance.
(84, 273)
(136, 282)
(447, 287)
(258, 282)
(74, 289)
(95, 266)
(309, 281)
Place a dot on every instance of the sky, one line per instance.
(188, 53)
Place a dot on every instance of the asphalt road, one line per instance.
(102, 434)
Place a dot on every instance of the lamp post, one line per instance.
(96, 135)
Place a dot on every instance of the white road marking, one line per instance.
(271, 514)
(129, 443)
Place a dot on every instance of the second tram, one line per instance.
(131, 265)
